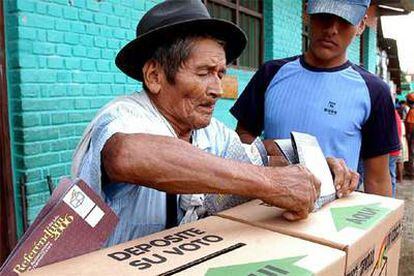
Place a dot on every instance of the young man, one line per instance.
(348, 109)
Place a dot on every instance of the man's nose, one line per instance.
(332, 26)
(215, 88)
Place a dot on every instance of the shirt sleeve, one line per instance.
(249, 107)
(226, 144)
(104, 128)
(379, 133)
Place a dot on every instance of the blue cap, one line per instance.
(351, 10)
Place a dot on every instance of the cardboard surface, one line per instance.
(367, 227)
(212, 246)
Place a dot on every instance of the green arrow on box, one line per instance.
(360, 216)
(284, 266)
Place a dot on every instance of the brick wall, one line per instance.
(283, 28)
(60, 71)
(353, 51)
(370, 48)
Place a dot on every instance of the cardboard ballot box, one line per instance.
(367, 227)
(211, 246)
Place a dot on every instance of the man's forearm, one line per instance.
(378, 187)
(245, 136)
(174, 166)
(377, 178)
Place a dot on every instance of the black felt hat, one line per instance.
(174, 18)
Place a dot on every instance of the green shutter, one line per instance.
(250, 24)
(221, 12)
(251, 55)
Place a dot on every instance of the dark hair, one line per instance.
(173, 54)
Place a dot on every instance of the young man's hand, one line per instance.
(345, 180)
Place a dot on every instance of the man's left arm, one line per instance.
(377, 178)
(379, 138)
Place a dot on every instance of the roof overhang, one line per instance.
(394, 7)
(390, 46)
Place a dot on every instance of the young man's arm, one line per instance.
(245, 136)
(174, 166)
(377, 178)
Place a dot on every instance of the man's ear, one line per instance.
(362, 25)
(152, 76)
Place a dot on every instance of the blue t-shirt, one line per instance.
(347, 108)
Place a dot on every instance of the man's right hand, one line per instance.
(293, 188)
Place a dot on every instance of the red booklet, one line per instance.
(74, 221)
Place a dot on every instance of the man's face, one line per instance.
(330, 36)
(188, 104)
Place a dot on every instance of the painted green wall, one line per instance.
(60, 72)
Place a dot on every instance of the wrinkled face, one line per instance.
(331, 36)
(189, 103)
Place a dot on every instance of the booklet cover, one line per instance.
(304, 149)
(74, 221)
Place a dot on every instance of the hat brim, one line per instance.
(132, 57)
(353, 13)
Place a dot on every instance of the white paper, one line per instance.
(311, 156)
(79, 201)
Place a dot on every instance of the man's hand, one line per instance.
(345, 180)
(293, 188)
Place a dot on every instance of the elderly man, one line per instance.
(142, 150)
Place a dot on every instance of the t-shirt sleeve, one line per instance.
(249, 107)
(379, 133)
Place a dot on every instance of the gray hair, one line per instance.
(172, 55)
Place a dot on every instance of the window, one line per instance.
(305, 28)
(247, 14)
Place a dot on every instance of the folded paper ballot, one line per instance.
(304, 149)
(74, 221)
